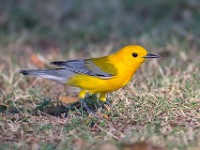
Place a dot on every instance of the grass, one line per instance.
(160, 105)
(158, 109)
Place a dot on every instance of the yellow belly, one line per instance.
(97, 85)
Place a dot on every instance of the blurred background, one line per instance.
(79, 23)
(41, 31)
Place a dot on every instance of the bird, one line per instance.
(100, 75)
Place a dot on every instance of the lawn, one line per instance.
(158, 109)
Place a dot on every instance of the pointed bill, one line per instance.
(151, 56)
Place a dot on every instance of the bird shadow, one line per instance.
(60, 109)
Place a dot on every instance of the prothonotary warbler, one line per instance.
(97, 75)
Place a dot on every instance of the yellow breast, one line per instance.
(98, 85)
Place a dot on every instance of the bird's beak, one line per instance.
(151, 56)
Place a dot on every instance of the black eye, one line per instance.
(134, 54)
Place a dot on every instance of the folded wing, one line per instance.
(85, 66)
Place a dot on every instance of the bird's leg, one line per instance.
(83, 103)
(82, 95)
(102, 97)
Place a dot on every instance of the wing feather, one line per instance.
(84, 66)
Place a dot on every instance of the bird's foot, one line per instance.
(89, 111)
(106, 104)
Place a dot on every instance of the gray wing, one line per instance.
(84, 67)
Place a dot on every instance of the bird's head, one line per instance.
(134, 55)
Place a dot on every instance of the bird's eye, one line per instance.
(134, 54)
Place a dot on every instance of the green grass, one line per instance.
(159, 107)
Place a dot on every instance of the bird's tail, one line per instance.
(60, 74)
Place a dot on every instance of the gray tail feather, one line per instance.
(60, 74)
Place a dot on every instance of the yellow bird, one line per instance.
(97, 75)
